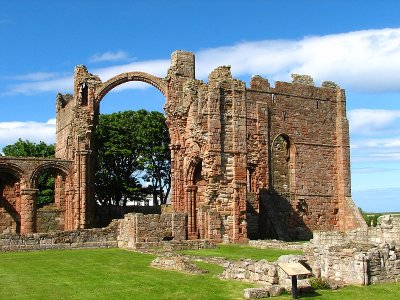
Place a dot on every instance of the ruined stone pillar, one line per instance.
(28, 210)
(176, 179)
(69, 210)
(83, 188)
(191, 211)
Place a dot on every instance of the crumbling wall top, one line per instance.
(182, 64)
(303, 79)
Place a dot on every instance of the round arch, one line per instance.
(12, 169)
(107, 86)
(58, 166)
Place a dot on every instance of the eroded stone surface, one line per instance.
(247, 162)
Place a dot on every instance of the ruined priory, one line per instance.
(247, 161)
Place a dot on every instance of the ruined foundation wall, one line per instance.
(386, 231)
(49, 218)
(360, 256)
(137, 229)
(87, 238)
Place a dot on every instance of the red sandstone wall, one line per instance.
(10, 205)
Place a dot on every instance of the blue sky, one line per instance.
(354, 43)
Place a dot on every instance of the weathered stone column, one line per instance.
(191, 211)
(28, 210)
(83, 189)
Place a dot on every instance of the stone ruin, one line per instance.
(247, 162)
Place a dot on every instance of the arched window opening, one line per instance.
(281, 154)
(251, 180)
(50, 200)
(84, 94)
(196, 213)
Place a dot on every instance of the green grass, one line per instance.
(236, 252)
(105, 274)
(120, 274)
(387, 291)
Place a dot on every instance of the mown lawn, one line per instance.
(121, 274)
(104, 274)
(388, 291)
(236, 252)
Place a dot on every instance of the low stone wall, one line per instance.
(265, 244)
(263, 272)
(260, 272)
(386, 231)
(168, 246)
(86, 238)
(49, 218)
(105, 214)
(139, 229)
(361, 256)
(177, 263)
(359, 264)
(166, 232)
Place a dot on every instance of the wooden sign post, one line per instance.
(293, 270)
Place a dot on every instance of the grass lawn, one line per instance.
(236, 252)
(121, 274)
(104, 274)
(387, 291)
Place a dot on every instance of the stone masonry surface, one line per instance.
(251, 161)
(361, 256)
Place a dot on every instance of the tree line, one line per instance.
(133, 160)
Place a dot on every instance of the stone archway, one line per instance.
(59, 214)
(89, 94)
(107, 86)
(18, 187)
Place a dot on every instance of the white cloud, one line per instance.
(64, 84)
(109, 56)
(375, 150)
(10, 132)
(361, 61)
(38, 76)
(372, 121)
(375, 135)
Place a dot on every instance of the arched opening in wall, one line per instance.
(51, 199)
(276, 210)
(10, 203)
(281, 154)
(132, 156)
(198, 203)
(285, 216)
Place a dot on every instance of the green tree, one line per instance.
(154, 140)
(28, 149)
(46, 179)
(132, 147)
